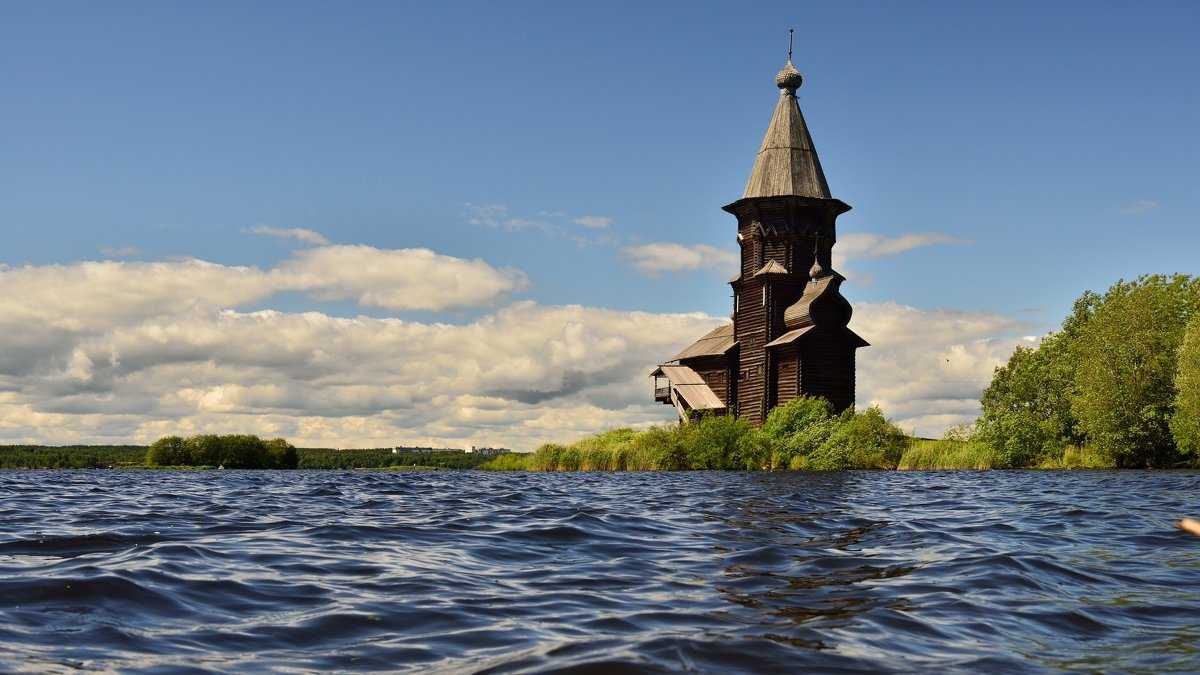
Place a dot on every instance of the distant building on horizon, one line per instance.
(489, 451)
(789, 334)
(404, 449)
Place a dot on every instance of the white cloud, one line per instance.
(519, 376)
(300, 234)
(90, 296)
(865, 245)
(593, 222)
(927, 368)
(1138, 207)
(396, 279)
(120, 351)
(659, 257)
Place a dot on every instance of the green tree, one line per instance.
(1027, 407)
(167, 451)
(204, 450)
(1127, 354)
(1185, 420)
(281, 454)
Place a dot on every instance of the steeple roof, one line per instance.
(787, 162)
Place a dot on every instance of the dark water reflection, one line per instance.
(241, 571)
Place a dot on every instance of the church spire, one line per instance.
(787, 163)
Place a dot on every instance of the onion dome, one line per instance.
(788, 78)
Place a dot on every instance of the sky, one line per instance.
(374, 224)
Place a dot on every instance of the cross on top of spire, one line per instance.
(788, 78)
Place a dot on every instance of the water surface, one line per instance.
(722, 572)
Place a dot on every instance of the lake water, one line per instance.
(719, 572)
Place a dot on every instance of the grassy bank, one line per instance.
(328, 458)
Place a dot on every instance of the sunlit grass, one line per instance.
(928, 455)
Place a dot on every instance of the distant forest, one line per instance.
(134, 456)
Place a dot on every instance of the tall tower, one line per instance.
(786, 229)
(789, 335)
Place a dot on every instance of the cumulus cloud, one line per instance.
(927, 368)
(656, 258)
(117, 351)
(300, 234)
(593, 222)
(87, 295)
(519, 376)
(395, 279)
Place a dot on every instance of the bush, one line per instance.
(796, 415)
(1185, 420)
(754, 451)
(801, 445)
(658, 449)
(712, 441)
(865, 440)
(167, 451)
(231, 452)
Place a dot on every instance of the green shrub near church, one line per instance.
(802, 434)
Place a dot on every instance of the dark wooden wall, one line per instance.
(750, 329)
(787, 376)
(827, 369)
(717, 373)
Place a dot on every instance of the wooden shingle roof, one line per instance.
(690, 387)
(787, 163)
(716, 342)
(772, 267)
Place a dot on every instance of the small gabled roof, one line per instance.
(772, 267)
(716, 342)
(690, 387)
(794, 335)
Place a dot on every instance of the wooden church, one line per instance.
(789, 334)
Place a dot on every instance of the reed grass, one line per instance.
(928, 455)
(1074, 457)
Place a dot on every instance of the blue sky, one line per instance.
(1056, 141)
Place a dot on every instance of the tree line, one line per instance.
(1121, 378)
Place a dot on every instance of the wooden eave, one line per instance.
(793, 336)
(716, 342)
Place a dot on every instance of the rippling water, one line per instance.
(470, 571)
